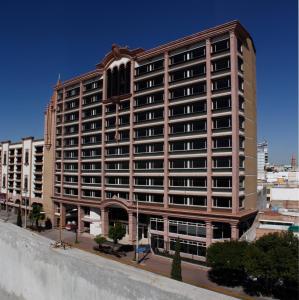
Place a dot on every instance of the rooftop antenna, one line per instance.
(59, 80)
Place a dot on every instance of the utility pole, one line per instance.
(137, 231)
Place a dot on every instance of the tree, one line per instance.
(227, 262)
(99, 239)
(36, 214)
(117, 232)
(272, 262)
(19, 218)
(176, 268)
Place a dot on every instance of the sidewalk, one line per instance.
(191, 273)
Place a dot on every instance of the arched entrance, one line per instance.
(116, 213)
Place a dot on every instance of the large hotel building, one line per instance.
(170, 131)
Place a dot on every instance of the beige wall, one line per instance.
(250, 126)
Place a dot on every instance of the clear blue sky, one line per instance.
(40, 39)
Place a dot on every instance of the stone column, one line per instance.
(80, 216)
(62, 215)
(166, 238)
(104, 222)
(209, 233)
(132, 228)
(234, 232)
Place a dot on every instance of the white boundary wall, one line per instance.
(32, 270)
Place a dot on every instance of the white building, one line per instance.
(262, 159)
(21, 172)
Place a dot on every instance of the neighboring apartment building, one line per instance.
(171, 129)
(21, 173)
(262, 160)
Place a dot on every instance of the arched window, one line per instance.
(109, 83)
(115, 81)
(118, 80)
(122, 80)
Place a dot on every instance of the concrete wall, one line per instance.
(34, 271)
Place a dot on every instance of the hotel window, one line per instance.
(87, 100)
(198, 163)
(71, 117)
(95, 166)
(221, 64)
(241, 83)
(117, 180)
(188, 200)
(122, 165)
(147, 68)
(196, 107)
(189, 247)
(71, 154)
(197, 144)
(124, 105)
(187, 228)
(148, 165)
(5, 159)
(91, 112)
(222, 122)
(222, 202)
(188, 181)
(91, 193)
(124, 119)
(93, 85)
(221, 84)
(222, 142)
(94, 153)
(149, 83)
(110, 122)
(124, 135)
(71, 142)
(192, 90)
(149, 99)
(27, 157)
(73, 129)
(221, 103)
(220, 46)
(70, 192)
(142, 197)
(186, 73)
(70, 179)
(110, 108)
(89, 126)
(73, 92)
(222, 162)
(222, 182)
(149, 115)
(148, 132)
(149, 181)
(4, 181)
(91, 180)
(70, 167)
(188, 55)
(122, 150)
(149, 148)
(72, 104)
(240, 64)
(157, 224)
(194, 126)
(113, 194)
